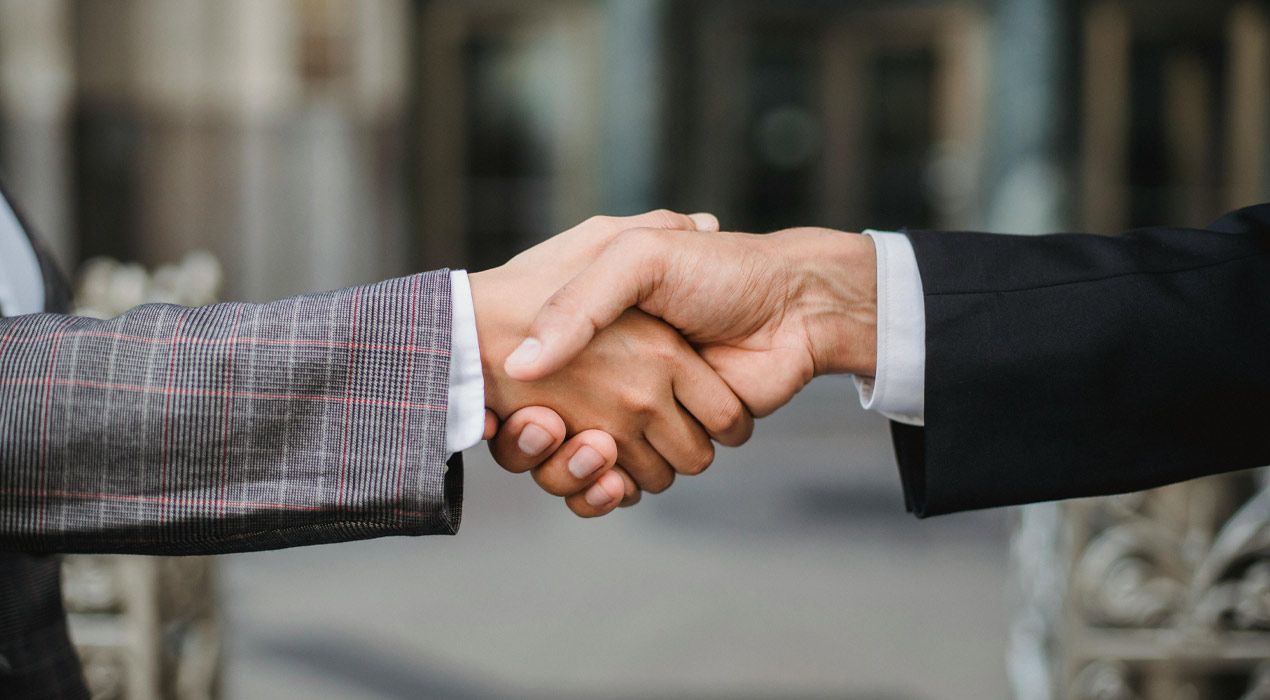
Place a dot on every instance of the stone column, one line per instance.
(1027, 187)
(271, 134)
(1025, 194)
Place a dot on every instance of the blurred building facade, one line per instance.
(268, 132)
(318, 143)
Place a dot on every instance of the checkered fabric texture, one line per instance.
(196, 431)
(228, 428)
(37, 659)
(36, 656)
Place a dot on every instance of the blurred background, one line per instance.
(314, 144)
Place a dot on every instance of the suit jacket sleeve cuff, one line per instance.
(897, 390)
(234, 427)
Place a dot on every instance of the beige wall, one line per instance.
(271, 131)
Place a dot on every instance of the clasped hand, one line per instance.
(615, 352)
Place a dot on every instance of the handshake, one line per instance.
(611, 358)
(617, 352)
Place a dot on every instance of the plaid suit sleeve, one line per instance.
(234, 427)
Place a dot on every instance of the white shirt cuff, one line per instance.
(21, 281)
(465, 418)
(898, 388)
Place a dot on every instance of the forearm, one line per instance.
(1066, 366)
(227, 428)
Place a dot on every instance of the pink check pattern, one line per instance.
(233, 427)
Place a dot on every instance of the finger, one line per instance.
(600, 498)
(705, 222)
(619, 278)
(671, 221)
(527, 438)
(604, 495)
(577, 465)
(491, 425)
(649, 470)
(711, 401)
(681, 440)
(630, 490)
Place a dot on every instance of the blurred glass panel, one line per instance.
(783, 128)
(1175, 130)
(509, 119)
(900, 135)
(508, 150)
(106, 141)
(802, 147)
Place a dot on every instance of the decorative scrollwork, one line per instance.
(1158, 567)
(1167, 595)
(145, 626)
(1103, 680)
(104, 673)
(1130, 577)
(90, 584)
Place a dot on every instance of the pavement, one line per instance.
(788, 570)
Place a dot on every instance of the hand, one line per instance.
(768, 312)
(630, 382)
(533, 439)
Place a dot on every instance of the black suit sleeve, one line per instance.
(1076, 365)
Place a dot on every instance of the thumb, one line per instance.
(668, 220)
(491, 425)
(620, 277)
(708, 223)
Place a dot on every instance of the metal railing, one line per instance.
(145, 627)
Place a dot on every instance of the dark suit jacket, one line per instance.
(37, 659)
(228, 428)
(1078, 365)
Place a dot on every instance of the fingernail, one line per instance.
(526, 353)
(584, 462)
(597, 497)
(533, 440)
(705, 222)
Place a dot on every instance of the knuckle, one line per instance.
(662, 349)
(729, 416)
(562, 302)
(553, 485)
(701, 458)
(665, 218)
(628, 241)
(660, 482)
(640, 402)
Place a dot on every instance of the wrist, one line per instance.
(496, 333)
(836, 296)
